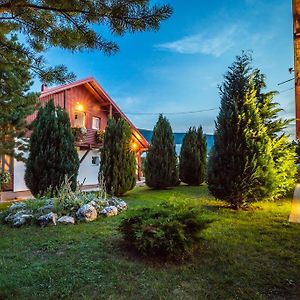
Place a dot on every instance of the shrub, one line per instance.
(169, 231)
(161, 169)
(52, 152)
(118, 164)
(192, 166)
(4, 179)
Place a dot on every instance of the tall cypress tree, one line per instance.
(283, 152)
(161, 163)
(241, 167)
(52, 153)
(192, 166)
(118, 164)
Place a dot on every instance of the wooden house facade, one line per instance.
(89, 108)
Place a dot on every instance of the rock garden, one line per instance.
(67, 209)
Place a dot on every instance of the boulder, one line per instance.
(47, 220)
(17, 206)
(87, 213)
(18, 219)
(110, 211)
(119, 203)
(66, 220)
(122, 206)
(47, 208)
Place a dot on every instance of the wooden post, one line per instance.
(110, 111)
(296, 21)
(139, 166)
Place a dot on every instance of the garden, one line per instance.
(243, 254)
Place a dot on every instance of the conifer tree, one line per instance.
(241, 166)
(71, 25)
(161, 169)
(118, 164)
(283, 152)
(192, 166)
(16, 102)
(52, 154)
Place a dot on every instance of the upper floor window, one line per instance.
(96, 123)
(79, 119)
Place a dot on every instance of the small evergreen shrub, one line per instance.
(169, 231)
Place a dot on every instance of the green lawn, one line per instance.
(245, 255)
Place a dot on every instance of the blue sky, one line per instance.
(179, 67)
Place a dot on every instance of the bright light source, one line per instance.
(79, 107)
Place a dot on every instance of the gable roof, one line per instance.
(103, 96)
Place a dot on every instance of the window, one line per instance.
(79, 119)
(95, 160)
(96, 123)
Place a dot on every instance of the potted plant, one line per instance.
(100, 136)
(4, 180)
(79, 133)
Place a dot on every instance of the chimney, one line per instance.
(44, 87)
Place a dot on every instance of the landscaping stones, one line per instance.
(17, 206)
(87, 213)
(66, 220)
(18, 219)
(47, 220)
(110, 211)
(47, 208)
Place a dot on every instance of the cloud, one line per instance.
(208, 44)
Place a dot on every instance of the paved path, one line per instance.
(295, 213)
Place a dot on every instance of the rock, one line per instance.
(122, 206)
(47, 208)
(22, 219)
(119, 203)
(87, 213)
(48, 219)
(110, 211)
(67, 220)
(18, 219)
(17, 206)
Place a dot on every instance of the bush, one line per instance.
(4, 179)
(169, 231)
(161, 170)
(52, 154)
(118, 164)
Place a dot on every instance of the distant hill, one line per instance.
(178, 136)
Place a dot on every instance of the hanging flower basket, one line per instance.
(100, 136)
(4, 180)
(79, 133)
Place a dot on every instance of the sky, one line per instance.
(179, 67)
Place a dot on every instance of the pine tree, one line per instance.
(118, 164)
(16, 102)
(161, 163)
(192, 166)
(71, 25)
(52, 154)
(241, 166)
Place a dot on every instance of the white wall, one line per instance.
(19, 172)
(87, 171)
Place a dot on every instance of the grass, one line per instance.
(251, 254)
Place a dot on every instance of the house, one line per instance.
(89, 108)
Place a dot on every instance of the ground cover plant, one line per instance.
(168, 231)
(250, 254)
